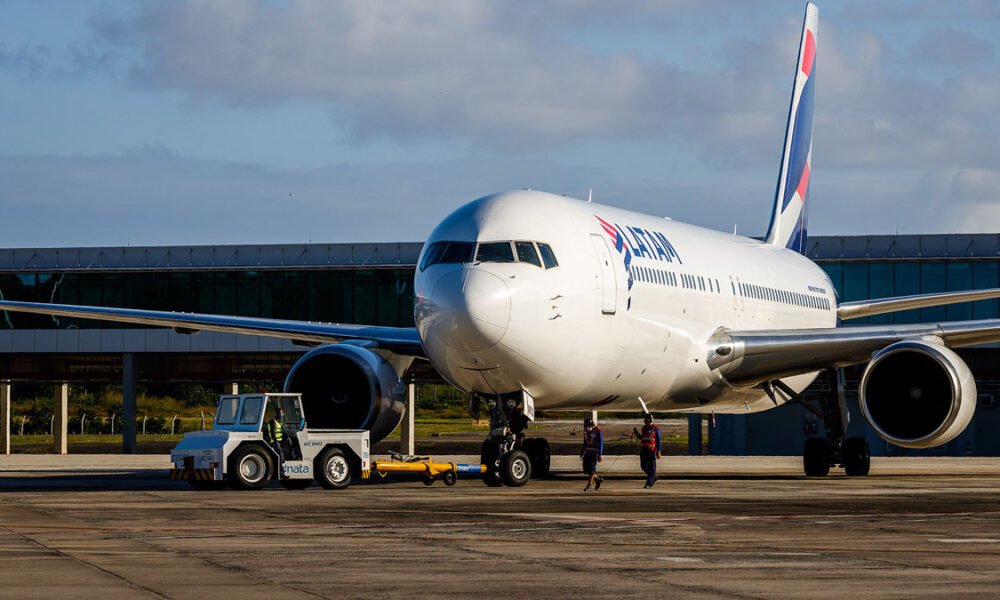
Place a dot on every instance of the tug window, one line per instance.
(526, 253)
(497, 252)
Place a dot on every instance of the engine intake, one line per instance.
(348, 387)
(917, 394)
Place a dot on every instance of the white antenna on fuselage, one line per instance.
(644, 409)
(590, 195)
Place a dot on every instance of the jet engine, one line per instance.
(344, 386)
(917, 394)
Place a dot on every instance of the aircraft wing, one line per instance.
(752, 357)
(867, 308)
(401, 340)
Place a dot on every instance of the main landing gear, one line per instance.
(820, 453)
(510, 458)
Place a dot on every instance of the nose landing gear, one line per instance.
(510, 458)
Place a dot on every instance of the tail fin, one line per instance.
(788, 219)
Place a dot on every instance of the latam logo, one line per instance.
(638, 242)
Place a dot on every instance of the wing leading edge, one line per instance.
(401, 340)
(867, 308)
(752, 357)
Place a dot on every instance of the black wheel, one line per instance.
(296, 484)
(449, 478)
(816, 457)
(204, 486)
(427, 480)
(250, 468)
(515, 468)
(857, 457)
(333, 469)
(489, 456)
(540, 456)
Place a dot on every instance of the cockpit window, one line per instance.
(526, 253)
(548, 257)
(448, 253)
(499, 252)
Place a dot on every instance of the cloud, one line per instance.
(443, 67)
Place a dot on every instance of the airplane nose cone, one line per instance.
(471, 309)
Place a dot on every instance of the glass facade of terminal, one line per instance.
(857, 280)
(382, 296)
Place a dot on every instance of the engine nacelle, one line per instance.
(344, 386)
(917, 394)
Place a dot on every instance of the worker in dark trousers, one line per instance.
(593, 449)
(649, 449)
(274, 435)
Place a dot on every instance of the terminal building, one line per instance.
(373, 284)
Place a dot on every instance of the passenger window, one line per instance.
(498, 252)
(548, 257)
(526, 253)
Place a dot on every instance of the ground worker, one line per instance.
(274, 434)
(593, 448)
(649, 448)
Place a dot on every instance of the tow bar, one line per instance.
(429, 470)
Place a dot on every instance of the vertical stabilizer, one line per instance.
(788, 218)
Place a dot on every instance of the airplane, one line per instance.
(530, 301)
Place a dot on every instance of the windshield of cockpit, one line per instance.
(534, 253)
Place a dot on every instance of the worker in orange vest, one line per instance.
(649, 448)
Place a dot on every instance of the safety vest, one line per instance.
(592, 441)
(649, 437)
(276, 430)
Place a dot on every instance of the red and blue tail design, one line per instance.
(789, 216)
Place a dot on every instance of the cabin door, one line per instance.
(606, 275)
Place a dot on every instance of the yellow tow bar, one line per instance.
(425, 466)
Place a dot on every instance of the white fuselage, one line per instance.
(578, 335)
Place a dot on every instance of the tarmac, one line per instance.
(113, 526)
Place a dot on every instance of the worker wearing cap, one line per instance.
(649, 448)
(593, 448)
(274, 435)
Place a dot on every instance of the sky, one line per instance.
(162, 122)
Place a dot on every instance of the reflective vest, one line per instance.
(276, 430)
(592, 441)
(649, 437)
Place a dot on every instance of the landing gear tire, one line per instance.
(540, 456)
(816, 457)
(515, 468)
(296, 484)
(333, 470)
(857, 457)
(488, 456)
(449, 478)
(250, 469)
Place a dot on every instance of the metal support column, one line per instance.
(593, 415)
(5, 417)
(60, 420)
(128, 404)
(694, 434)
(407, 438)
